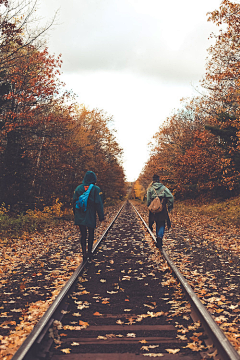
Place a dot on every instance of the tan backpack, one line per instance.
(156, 205)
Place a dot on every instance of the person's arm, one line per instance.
(170, 199)
(99, 204)
(75, 198)
(149, 197)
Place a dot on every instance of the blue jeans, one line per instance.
(160, 228)
(160, 225)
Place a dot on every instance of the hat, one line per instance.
(155, 178)
(89, 178)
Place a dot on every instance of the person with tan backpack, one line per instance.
(159, 202)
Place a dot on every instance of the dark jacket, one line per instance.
(155, 189)
(95, 203)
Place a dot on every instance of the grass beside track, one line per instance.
(225, 212)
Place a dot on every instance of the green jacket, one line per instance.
(151, 194)
(95, 205)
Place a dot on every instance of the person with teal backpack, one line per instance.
(87, 202)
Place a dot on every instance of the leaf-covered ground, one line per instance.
(207, 254)
(128, 302)
(35, 267)
(33, 270)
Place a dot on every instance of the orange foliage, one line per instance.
(197, 149)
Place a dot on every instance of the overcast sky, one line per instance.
(135, 59)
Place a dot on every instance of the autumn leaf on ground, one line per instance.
(172, 351)
(150, 306)
(66, 351)
(212, 355)
(131, 335)
(195, 346)
(76, 314)
(69, 327)
(97, 314)
(149, 347)
(182, 337)
(83, 323)
(130, 321)
(64, 312)
(120, 322)
(144, 348)
(154, 355)
(22, 286)
(152, 314)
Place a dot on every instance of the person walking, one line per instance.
(86, 219)
(156, 188)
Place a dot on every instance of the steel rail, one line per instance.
(224, 348)
(40, 329)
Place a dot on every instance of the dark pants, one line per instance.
(84, 230)
(160, 226)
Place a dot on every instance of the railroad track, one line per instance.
(128, 303)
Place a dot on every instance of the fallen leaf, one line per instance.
(97, 314)
(131, 335)
(83, 323)
(154, 354)
(172, 351)
(76, 314)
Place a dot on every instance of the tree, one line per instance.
(185, 156)
(222, 80)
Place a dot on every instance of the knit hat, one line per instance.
(155, 178)
(89, 178)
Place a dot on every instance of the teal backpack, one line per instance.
(81, 203)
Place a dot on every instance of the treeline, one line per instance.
(47, 141)
(197, 149)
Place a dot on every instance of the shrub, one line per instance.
(31, 221)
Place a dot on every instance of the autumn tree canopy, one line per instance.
(197, 149)
(47, 142)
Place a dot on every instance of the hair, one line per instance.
(155, 178)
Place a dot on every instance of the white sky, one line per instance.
(135, 59)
